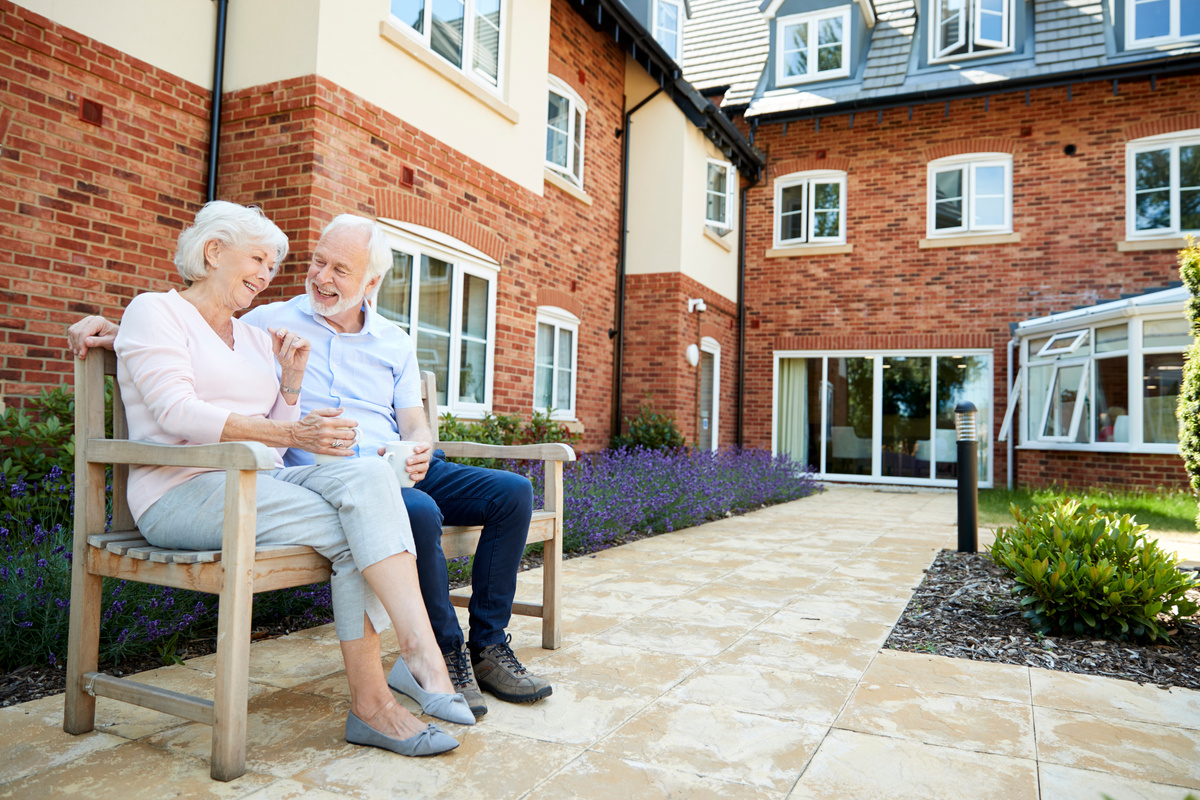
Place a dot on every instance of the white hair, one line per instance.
(379, 252)
(232, 225)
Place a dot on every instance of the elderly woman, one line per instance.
(191, 373)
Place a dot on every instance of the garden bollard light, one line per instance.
(968, 478)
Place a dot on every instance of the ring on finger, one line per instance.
(338, 443)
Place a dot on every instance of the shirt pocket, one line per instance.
(364, 377)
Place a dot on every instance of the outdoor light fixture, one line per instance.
(696, 304)
(693, 354)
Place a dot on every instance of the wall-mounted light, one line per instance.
(693, 355)
(696, 304)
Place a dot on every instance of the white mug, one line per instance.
(397, 453)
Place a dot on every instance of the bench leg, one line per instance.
(83, 646)
(552, 551)
(233, 629)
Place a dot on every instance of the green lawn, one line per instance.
(1161, 510)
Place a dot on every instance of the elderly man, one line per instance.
(364, 364)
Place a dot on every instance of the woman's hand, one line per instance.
(291, 351)
(325, 431)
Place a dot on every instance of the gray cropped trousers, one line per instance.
(350, 512)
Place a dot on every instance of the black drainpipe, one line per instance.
(619, 332)
(214, 134)
(741, 312)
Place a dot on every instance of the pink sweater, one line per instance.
(180, 382)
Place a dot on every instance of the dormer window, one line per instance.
(668, 27)
(969, 28)
(1149, 23)
(812, 47)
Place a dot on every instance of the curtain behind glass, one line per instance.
(792, 413)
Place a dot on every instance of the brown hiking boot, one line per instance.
(458, 664)
(500, 673)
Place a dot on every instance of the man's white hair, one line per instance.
(232, 225)
(379, 252)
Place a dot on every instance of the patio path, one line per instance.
(738, 659)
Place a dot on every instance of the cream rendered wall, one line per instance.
(352, 53)
(668, 174)
(174, 35)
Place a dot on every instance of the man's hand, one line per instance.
(91, 332)
(418, 462)
(321, 429)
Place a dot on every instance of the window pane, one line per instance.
(991, 20)
(1039, 384)
(799, 410)
(791, 224)
(829, 44)
(989, 212)
(472, 373)
(989, 181)
(563, 401)
(852, 388)
(1062, 401)
(577, 156)
(447, 38)
(827, 196)
(1166, 333)
(1153, 210)
(667, 29)
(949, 214)
(960, 378)
(1114, 337)
(1189, 183)
(1160, 395)
(411, 13)
(433, 354)
(826, 224)
(951, 29)
(1189, 18)
(434, 312)
(557, 121)
(1152, 18)
(716, 193)
(395, 291)
(907, 389)
(1153, 189)
(948, 187)
(475, 307)
(487, 38)
(544, 366)
(1189, 210)
(1153, 169)
(1112, 399)
(795, 49)
(565, 341)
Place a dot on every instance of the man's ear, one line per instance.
(369, 292)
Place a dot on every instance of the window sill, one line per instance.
(435, 62)
(810, 250)
(970, 240)
(719, 240)
(555, 179)
(1100, 449)
(1135, 245)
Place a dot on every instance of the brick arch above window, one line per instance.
(712, 331)
(419, 211)
(1182, 122)
(961, 148)
(568, 76)
(782, 168)
(564, 300)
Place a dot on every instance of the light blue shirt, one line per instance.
(370, 373)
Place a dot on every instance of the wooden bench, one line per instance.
(235, 572)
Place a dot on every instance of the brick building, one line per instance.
(956, 203)
(504, 216)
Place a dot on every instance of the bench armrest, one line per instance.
(226, 455)
(534, 452)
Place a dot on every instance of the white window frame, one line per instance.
(1170, 142)
(680, 14)
(713, 347)
(1081, 399)
(1132, 42)
(560, 320)
(465, 260)
(468, 45)
(730, 182)
(811, 44)
(969, 164)
(876, 475)
(571, 171)
(809, 180)
(1034, 410)
(970, 11)
(1063, 343)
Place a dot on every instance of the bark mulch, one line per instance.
(964, 609)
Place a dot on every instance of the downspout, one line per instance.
(214, 131)
(619, 333)
(741, 312)
(1012, 430)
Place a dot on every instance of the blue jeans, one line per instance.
(502, 503)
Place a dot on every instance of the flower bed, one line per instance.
(608, 497)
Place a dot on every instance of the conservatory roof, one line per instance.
(1164, 300)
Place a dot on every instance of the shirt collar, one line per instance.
(370, 326)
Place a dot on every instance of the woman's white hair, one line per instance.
(232, 225)
(379, 252)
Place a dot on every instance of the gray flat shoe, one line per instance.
(429, 742)
(448, 707)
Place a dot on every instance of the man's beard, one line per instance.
(321, 304)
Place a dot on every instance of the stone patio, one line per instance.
(739, 659)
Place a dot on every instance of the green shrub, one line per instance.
(654, 430)
(503, 429)
(1080, 571)
(1188, 410)
(42, 436)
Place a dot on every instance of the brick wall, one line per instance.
(88, 213)
(658, 331)
(1069, 211)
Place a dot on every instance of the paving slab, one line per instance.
(737, 659)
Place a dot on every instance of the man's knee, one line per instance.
(513, 493)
